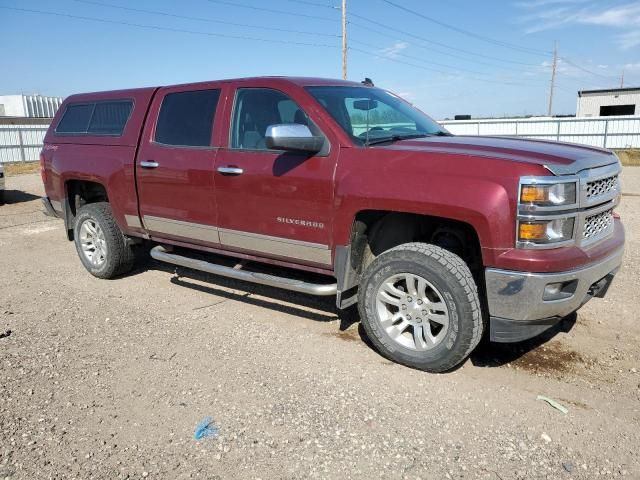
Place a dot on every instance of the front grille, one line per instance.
(602, 186)
(598, 225)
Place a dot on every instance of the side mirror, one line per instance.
(293, 137)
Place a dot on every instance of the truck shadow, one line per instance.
(319, 309)
(490, 354)
(17, 196)
(323, 309)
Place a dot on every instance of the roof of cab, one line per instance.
(300, 81)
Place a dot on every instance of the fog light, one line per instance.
(559, 290)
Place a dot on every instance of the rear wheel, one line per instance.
(419, 306)
(101, 246)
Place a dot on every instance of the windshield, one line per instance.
(371, 115)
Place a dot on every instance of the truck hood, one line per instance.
(558, 158)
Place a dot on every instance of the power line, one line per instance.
(272, 10)
(419, 59)
(423, 67)
(429, 49)
(467, 32)
(430, 41)
(167, 29)
(207, 20)
(569, 62)
(436, 50)
(314, 4)
(238, 37)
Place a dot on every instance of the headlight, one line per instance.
(548, 195)
(545, 232)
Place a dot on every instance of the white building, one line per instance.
(607, 103)
(33, 106)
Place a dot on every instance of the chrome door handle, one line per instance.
(149, 164)
(230, 170)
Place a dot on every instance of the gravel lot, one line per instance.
(108, 379)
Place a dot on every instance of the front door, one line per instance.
(175, 165)
(273, 203)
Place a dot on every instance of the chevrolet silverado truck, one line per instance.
(437, 238)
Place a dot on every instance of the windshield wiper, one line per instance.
(397, 138)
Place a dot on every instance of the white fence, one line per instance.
(607, 132)
(21, 143)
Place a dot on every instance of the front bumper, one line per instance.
(521, 305)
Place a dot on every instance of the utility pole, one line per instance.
(553, 78)
(622, 79)
(344, 39)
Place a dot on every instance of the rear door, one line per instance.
(175, 164)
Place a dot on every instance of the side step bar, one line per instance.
(160, 253)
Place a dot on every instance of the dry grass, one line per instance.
(21, 168)
(629, 158)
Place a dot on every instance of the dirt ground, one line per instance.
(108, 379)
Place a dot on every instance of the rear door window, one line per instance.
(97, 118)
(186, 118)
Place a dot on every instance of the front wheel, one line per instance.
(419, 306)
(101, 246)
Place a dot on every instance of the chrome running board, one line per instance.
(160, 253)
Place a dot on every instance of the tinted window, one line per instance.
(109, 118)
(100, 118)
(186, 118)
(76, 119)
(256, 109)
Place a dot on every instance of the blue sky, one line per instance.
(484, 58)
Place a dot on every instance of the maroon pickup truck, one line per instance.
(437, 238)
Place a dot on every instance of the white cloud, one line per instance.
(632, 67)
(563, 13)
(620, 16)
(545, 3)
(394, 50)
(629, 40)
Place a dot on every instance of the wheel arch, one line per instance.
(79, 192)
(375, 231)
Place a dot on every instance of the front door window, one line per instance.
(258, 108)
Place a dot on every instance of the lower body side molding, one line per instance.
(162, 254)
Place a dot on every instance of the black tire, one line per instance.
(451, 276)
(119, 257)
